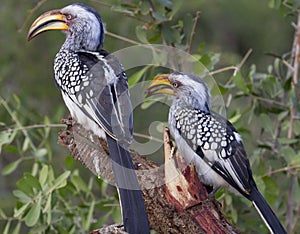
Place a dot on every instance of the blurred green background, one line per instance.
(227, 28)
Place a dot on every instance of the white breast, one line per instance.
(81, 118)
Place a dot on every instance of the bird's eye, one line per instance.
(176, 84)
(69, 16)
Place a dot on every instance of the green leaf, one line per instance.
(22, 196)
(234, 215)
(11, 148)
(18, 213)
(89, 217)
(136, 77)
(79, 183)
(32, 181)
(228, 200)
(260, 184)
(57, 214)
(235, 118)
(6, 138)
(51, 176)
(29, 184)
(42, 229)
(153, 100)
(7, 227)
(102, 220)
(103, 186)
(39, 153)
(17, 100)
(240, 83)
(209, 60)
(33, 214)
(297, 127)
(269, 86)
(166, 3)
(116, 214)
(60, 181)
(17, 229)
(47, 129)
(171, 35)
(91, 183)
(145, 7)
(295, 160)
(8, 169)
(24, 186)
(161, 57)
(47, 209)
(296, 192)
(266, 123)
(282, 115)
(43, 174)
(274, 4)
(2, 214)
(63, 230)
(159, 17)
(206, 61)
(271, 192)
(147, 103)
(222, 89)
(69, 162)
(141, 34)
(176, 7)
(287, 141)
(288, 153)
(26, 144)
(35, 168)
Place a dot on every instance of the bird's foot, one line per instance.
(68, 122)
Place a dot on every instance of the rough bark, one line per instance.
(179, 205)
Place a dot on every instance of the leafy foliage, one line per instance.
(49, 202)
(263, 106)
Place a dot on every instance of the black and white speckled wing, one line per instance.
(207, 132)
(97, 84)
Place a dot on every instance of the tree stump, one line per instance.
(175, 199)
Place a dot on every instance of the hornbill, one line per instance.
(210, 141)
(95, 90)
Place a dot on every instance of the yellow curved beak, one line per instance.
(160, 85)
(51, 20)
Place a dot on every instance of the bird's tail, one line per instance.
(131, 200)
(266, 212)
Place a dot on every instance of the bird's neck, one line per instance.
(71, 44)
(189, 102)
(80, 42)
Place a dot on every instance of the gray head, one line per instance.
(82, 25)
(190, 89)
(86, 30)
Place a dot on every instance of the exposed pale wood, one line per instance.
(165, 210)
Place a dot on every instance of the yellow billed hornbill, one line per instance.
(95, 90)
(209, 141)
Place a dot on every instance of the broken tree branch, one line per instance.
(165, 212)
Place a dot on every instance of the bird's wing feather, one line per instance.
(106, 98)
(231, 161)
(238, 159)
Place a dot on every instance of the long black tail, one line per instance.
(132, 203)
(266, 212)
